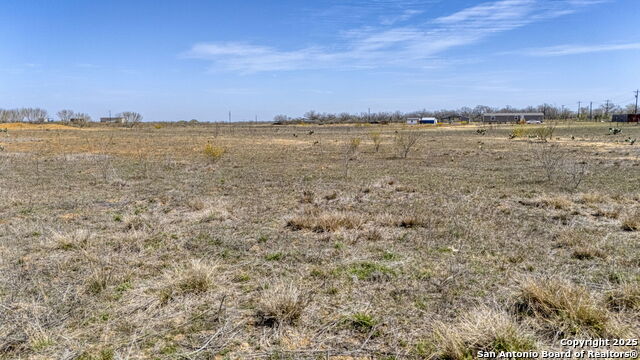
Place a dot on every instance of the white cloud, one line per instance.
(571, 49)
(409, 46)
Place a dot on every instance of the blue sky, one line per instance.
(173, 60)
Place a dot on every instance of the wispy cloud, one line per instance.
(572, 49)
(414, 45)
(404, 16)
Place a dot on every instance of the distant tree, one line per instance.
(5, 115)
(82, 118)
(608, 108)
(312, 115)
(15, 115)
(131, 117)
(35, 114)
(280, 118)
(344, 117)
(65, 115)
(630, 109)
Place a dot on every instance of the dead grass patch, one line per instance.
(588, 253)
(76, 239)
(281, 303)
(631, 222)
(557, 202)
(480, 330)
(564, 309)
(402, 221)
(626, 297)
(326, 221)
(194, 278)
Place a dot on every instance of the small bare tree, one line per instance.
(35, 114)
(405, 141)
(350, 151)
(376, 137)
(132, 118)
(65, 115)
(81, 118)
(559, 168)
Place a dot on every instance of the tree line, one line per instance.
(39, 115)
(602, 112)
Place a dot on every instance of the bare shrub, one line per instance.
(543, 133)
(354, 144)
(213, 153)
(350, 151)
(563, 308)
(376, 138)
(481, 330)
(518, 132)
(281, 304)
(559, 168)
(405, 141)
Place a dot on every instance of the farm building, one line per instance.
(428, 120)
(423, 120)
(626, 118)
(116, 119)
(511, 117)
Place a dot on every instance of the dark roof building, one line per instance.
(626, 118)
(511, 117)
(115, 119)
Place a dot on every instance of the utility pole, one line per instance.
(229, 116)
(579, 103)
(636, 110)
(369, 115)
(590, 110)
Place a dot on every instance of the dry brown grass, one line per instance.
(129, 243)
(564, 309)
(326, 221)
(193, 278)
(282, 303)
(479, 330)
(624, 298)
(631, 222)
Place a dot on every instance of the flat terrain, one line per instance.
(305, 242)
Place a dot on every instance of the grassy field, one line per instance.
(306, 242)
